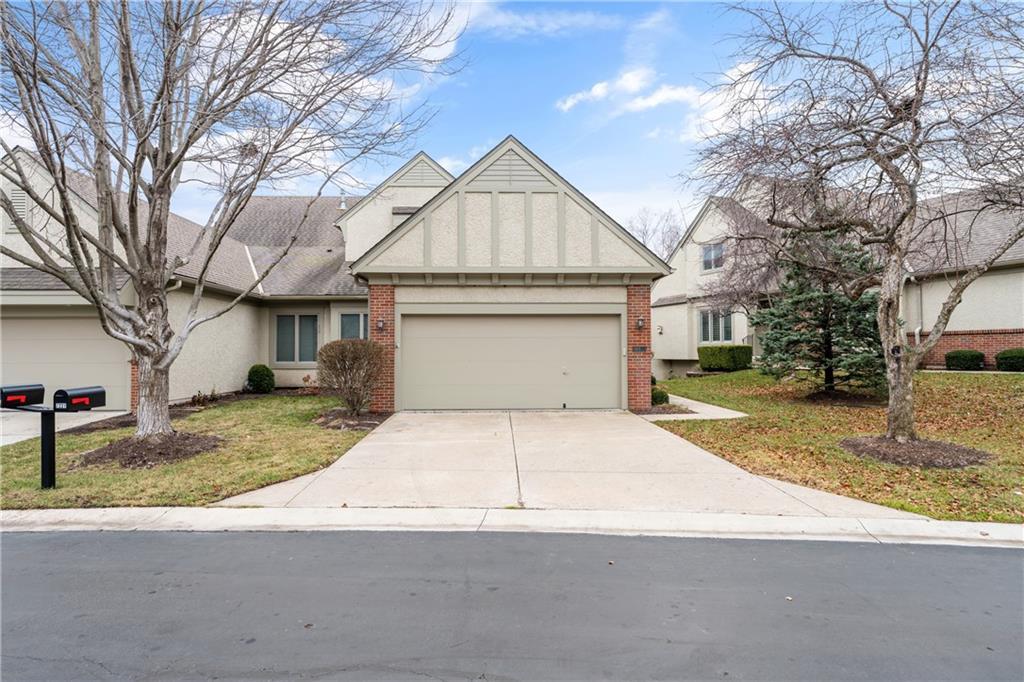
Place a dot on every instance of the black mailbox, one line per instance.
(21, 396)
(78, 399)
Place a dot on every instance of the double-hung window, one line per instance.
(355, 326)
(712, 256)
(297, 338)
(715, 325)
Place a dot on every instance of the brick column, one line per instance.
(382, 307)
(638, 351)
(133, 390)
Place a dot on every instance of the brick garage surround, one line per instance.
(638, 363)
(988, 341)
(382, 307)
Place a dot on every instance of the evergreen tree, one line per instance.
(813, 328)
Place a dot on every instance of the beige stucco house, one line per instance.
(990, 317)
(502, 288)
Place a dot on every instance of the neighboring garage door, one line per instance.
(510, 362)
(64, 352)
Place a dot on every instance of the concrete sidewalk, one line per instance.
(670, 524)
(16, 426)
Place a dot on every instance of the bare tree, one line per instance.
(853, 118)
(660, 231)
(235, 94)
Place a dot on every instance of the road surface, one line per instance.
(497, 606)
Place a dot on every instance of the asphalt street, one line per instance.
(501, 606)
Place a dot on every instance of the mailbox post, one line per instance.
(28, 397)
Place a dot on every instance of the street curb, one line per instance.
(635, 523)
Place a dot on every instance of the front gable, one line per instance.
(510, 213)
(372, 217)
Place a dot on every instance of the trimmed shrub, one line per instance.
(654, 381)
(725, 358)
(965, 360)
(1010, 360)
(260, 379)
(351, 367)
(659, 397)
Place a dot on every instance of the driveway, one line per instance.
(18, 426)
(608, 460)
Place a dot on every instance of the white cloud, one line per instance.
(457, 164)
(507, 24)
(628, 82)
(666, 94)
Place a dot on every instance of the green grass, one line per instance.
(794, 440)
(267, 440)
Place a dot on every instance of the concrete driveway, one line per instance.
(608, 460)
(18, 426)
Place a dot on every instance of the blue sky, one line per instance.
(607, 93)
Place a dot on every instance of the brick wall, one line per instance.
(638, 362)
(134, 387)
(382, 307)
(988, 341)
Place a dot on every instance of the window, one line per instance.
(712, 256)
(355, 326)
(715, 325)
(297, 338)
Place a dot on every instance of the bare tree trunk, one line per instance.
(899, 359)
(153, 416)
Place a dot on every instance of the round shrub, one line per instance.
(965, 360)
(659, 397)
(1010, 360)
(654, 381)
(261, 379)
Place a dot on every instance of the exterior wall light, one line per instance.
(639, 323)
(380, 325)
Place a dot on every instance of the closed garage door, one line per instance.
(510, 362)
(63, 352)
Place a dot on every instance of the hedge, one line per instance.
(725, 358)
(1010, 360)
(659, 397)
(261, 379)
(965, 360)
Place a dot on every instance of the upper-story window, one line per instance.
(712, 256)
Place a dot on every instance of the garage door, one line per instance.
(64, 352)
(510, 362)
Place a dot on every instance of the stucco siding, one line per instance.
(512, 229)
(545, 229)
(578, 251)
(478, 230)
(993, 301)
(372, 219)
(218, 354)
(408, 250)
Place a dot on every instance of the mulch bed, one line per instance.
(178, 411)
(145, 453)
(339, 418)
(920, 453)
(668, 408)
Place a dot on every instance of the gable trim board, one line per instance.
(512, 174)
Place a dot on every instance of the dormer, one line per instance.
(391, 202)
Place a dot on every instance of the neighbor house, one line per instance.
(687, 312)
(503, 288)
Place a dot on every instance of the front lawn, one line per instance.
(267, 440)
(795, 440)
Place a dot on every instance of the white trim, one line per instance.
(255, 274)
